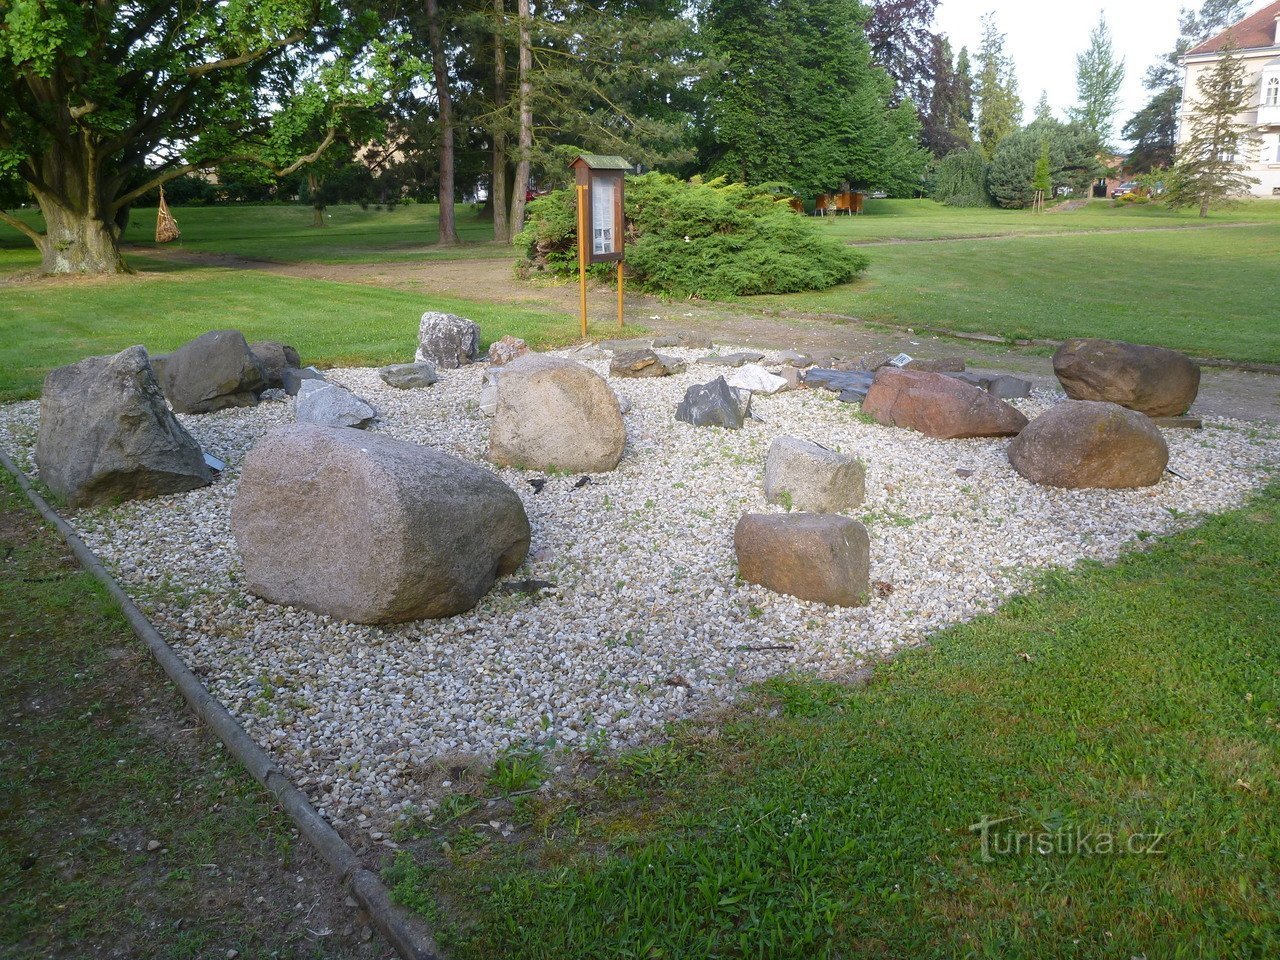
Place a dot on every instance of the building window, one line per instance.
(1272, 97)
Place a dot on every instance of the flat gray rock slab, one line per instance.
(731, 359)
(409, 376)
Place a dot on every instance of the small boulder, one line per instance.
(806, 476)
(1087, 443)
(714, 404)
(447, 340)
(408, 532)
(641, 363)
(293, 378)
(756, 379)
(507, 349)
(554, 414)
(212, 372)
(409, 376)
(939, 406)
(732, 359)
(814, 556)
(274, 359)
(1151, 380)
(329, 405)
(106, 434)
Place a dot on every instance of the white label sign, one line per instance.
(602, 216)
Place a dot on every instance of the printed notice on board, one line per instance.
(602, 216)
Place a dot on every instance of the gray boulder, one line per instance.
(274, 359)
(731, 359)
(1002, 386)
(840, 381)
(212, 372)
(714, 404)
(1151, 380)
(329, 405)
(293, 378)
(106, 434)
(807, 476)
(644, 363)
(554, 414)
(447, 340)
(813, 556)
(1086, 443)
(407, 532)
(409, 376)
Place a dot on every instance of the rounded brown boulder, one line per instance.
(1151, 380)
(814, 556)
(939, 406)
(368, 528)
(1087, 443)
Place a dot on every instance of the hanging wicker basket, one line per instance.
(166, 227)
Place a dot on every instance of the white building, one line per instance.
(1256, 40)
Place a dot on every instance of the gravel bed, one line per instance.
(646, 622)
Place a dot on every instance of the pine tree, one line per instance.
(1210, 170)
(1043, 110)
(1099, 76)
(999, 106)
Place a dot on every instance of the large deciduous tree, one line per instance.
(948, 120)
(100, 102)
(1099, 76)
(903, 44)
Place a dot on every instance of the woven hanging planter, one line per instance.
(166, 227)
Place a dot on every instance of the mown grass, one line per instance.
(45, 324)
(1128, 701)
(1211, 292)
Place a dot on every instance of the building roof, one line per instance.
(1256, 30)
(596, 161)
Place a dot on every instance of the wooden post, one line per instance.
(582, 256)
(619, 294)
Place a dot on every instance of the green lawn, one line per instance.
(927, 220)
(1211, 292)
(1139, 702)
(43, 325)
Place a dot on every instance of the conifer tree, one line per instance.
(999, 106)
(1099, 76)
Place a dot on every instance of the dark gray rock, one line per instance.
(447, 340)
(1002, 386)
(274, 359)
(409, 376)
(106, 434)
(732, 359)
(840, 381)
(292, 380)
(714, 404)
(329, 405)
(212, 372)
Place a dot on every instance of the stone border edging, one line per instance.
(409, 935)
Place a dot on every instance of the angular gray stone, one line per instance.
(840, 381)
(329, 405)
(793, 358)
(714, 404)
(447, 340)
(731, 359)
(293, 379)
(212, 372)
(814, 556)
(1002, 386)
(274, 358)
(106, 434)
(756, 379)
(554, 414)
(409, 376)
(643, 363)
(394, 531)
(806, 476)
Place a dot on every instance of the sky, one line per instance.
(1044, 45)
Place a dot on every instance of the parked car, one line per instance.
(1124, 189)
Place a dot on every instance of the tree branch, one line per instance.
(32, 234)
(202, 69)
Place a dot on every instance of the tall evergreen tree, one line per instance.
(1043, 110)
(1211, 163)
(996, 88)
(946, 121)
(1099, 76)
(964, 97)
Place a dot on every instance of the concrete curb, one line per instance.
(409, 935)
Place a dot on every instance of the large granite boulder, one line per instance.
(394, 531)
(274, 358)
(106, 434)
(214, 371)
(1088, 443)
(447, 340)
(938, 406)
(714, 404)
(554, 414)
(409, 376)
(813, 556)
(805, 476)
(330, 405)
(1151, 380)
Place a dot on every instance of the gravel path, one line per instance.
(645, 622)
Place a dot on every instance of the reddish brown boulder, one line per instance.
(814, 556)
(1087, 443)
(939, 406)
(1151, 380)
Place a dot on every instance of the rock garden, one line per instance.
(387, 572)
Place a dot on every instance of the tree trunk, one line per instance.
(317, 202)
(440, 72)
(526, 119)
(75, 242)
(498, 182)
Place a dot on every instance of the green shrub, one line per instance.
(960, 179)
(692, 238)
(1073, 162)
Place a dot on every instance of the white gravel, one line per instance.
(646, 623)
